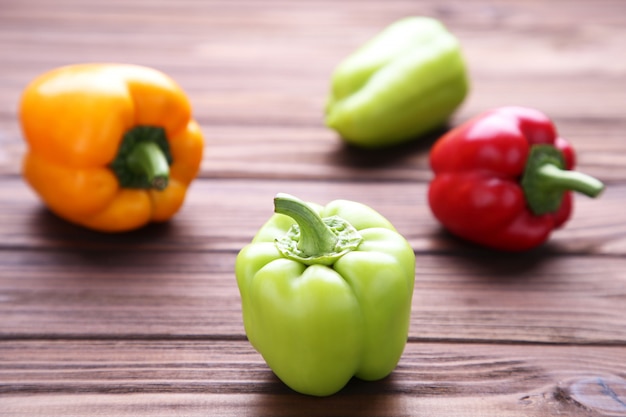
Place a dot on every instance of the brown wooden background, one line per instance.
(149, 324)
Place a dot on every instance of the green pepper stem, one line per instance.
(148, 159)
(554, 177)
(316, 238)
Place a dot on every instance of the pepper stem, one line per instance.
(555, 177)
(143, 159)
(315, 237)
(545, 180)
(147, 158)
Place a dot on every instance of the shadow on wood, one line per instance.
(356, 157)
(511, 267)
(64, 233)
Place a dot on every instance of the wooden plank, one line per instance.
(316, 153)
(199, 377)
(224, 214)
(132, 293)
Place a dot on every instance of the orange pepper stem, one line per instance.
(146, 158)
(143, 159)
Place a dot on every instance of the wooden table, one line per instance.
(149, 323)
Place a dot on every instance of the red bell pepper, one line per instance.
(503, 179)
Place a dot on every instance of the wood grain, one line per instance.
(148, 323)
(117, 294)
(228, 378)
(262, 110)
(224, 215)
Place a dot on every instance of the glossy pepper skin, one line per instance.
(111, 147)
(326, 294)
(403, 83)
(504, 179)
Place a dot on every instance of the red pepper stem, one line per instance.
(147, 158)
(545, 180)
(316, 238)
(566, 180)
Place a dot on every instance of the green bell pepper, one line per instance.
(401, 84)
(326, 294)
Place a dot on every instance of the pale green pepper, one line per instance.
(401, 84)
(326, 294)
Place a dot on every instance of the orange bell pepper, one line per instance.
(111, 147)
